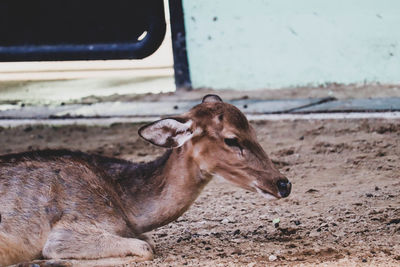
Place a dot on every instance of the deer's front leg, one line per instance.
(149, 240)
(89, 243)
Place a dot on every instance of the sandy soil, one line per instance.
(344, 209)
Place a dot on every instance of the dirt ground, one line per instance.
(344, 209)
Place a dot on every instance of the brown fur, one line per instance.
(58, 204)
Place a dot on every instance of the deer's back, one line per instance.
(41, 189)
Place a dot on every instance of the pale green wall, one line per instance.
(252, 44)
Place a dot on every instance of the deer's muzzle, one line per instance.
(284, 187)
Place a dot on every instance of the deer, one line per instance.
(64, 208)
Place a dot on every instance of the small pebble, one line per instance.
(314, 234)
(237, 251)
(272, 258)
(276, 222)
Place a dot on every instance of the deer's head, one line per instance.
(219, 139)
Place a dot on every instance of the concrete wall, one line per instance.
(257, 44)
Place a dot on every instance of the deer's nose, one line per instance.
(284, 187)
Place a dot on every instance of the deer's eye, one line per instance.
(232, 142)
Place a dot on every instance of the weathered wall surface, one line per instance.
(279, 43)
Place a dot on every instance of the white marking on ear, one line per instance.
(167, 132)
(182, 138)
(198, 131)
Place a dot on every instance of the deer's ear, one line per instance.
(211, 99)
(168, 132)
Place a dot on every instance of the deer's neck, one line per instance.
(164, 191)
